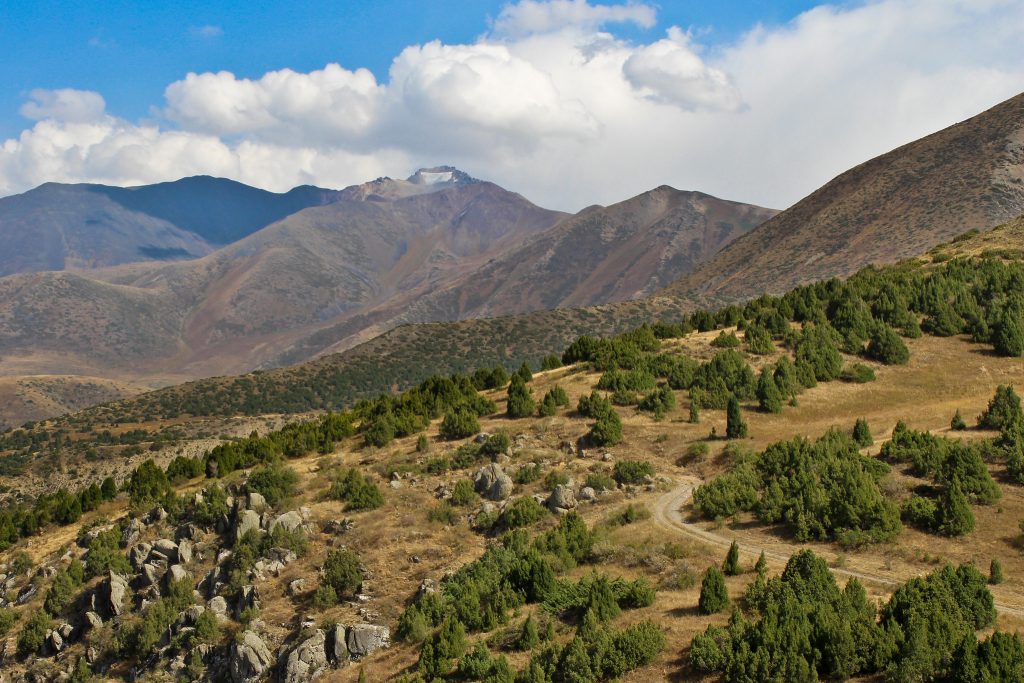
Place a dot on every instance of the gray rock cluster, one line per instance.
(492, 483)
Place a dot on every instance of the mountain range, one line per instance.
(350, 280)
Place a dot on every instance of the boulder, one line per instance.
(165, 548)
(307, 660)
(218, 605)
(93, 620)
(248, 598)
(117, 589)
(185, 552)
(176, 573)
(54, 641)
(492, 482)
(588, 494)
(290, 521)
(138, 555)
(248, 520)
(365, 639)
(562, 498)
(151, 575)
(249, 658)
(337, 648)
(257, 502)
(297, 587)
(132, 532)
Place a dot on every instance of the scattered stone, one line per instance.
(492, 482)
(218, 605)
(308, 660)
(132, 532)
(588, 494)
(176, 573)
(337, 648)
(54, 642)
(297, 587)
(249, 658)
(166, 549)
(185, 552)
(248, 520)
(561, 499)
(93, 620)
(26, 594)
(257, 502)
(117, 588)
(290, 521)
(248, 598)
(138, 555)
(365, 639)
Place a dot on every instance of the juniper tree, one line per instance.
(714, 597)
(862, 433)
(735, 427)
(768, 395)
(731, 566)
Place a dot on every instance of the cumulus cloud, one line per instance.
(535, 16)
(671, 71)
(65, 104)
(552, 104)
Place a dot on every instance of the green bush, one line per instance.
(857, 373)
(342, 573)
(885, 346)
(520, 400)
(735, 427)
(1004, 410)
(275, 482)
(8, 618)
(862, 433)
(725, 340)
(463, 493)
(33, 634)
(607, 430)
(459, 424)
(599, 481)
(105, 555)
(356, 490)
(528, 473)
(520, 513)
(632, 471)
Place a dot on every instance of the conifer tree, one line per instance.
(768, 395)
(956, 518)
(528, 635)
(995, 572)
(694, 413)
(1003, 410)
(762, 565)
(714, 597)
(862, 433)
(731, 566)
(957, 423)
(735, 427)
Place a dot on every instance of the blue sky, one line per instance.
(569, 102)
(130, 51)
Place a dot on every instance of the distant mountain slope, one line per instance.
(59, 227)
(601, 255)
(235, 308)
(970, 175)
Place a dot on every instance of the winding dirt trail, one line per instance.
(668, 514)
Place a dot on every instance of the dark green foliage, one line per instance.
(857, 373)
(694, 417)
(459, 424)
(342, 574)
(64, 587)
(148, 484)
(724, 375)
(995, 572)
(524, 372)
(759, 340)
(1008, 335)
(33, 633)
(957, 424)
(490, 379)
(355, 489)
(769, 396)
(8, 618)
(731, 566)
(593, 406)
(137, 640)
(599, 481)
(105, 555)
(529, 473)
(626, 381)
(554, 479)
(275, 482)
(714, 597)
(442, 651)
(954, 512)
(520, 513)
(816, 348)
(629, 514)
(862, 433)
(520, 399)
(181, 469)
(885, 346)
(528, 638)
(735, 427)
(945, 461)
(379, 431)
(1004, 410)
(607, 430)
(725, 340)
(824, 490)
(632, 471)
(660, 401)
(463, 493)
(550, 362)
(109, 489)
(599, 595)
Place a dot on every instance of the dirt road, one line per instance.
(668, 514)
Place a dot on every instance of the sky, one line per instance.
(568, 102)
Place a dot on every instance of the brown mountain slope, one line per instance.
(235, 308)
(601, 255)
(970, 175)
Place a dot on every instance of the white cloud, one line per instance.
(551, 105)
(65, 104)
(536, 16)
(671, 71)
